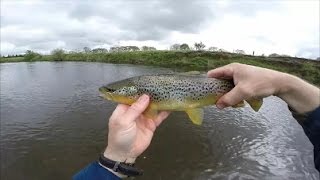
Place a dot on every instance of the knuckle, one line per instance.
(226, 101)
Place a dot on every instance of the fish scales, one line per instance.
(179, 87)
(173, 92)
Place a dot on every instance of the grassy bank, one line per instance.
(189, 60)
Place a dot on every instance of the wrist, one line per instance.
(298, 94)
(286, 84)
(118, 167)
(118, 156)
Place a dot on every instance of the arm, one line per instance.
(310, 123)
(252, 82)
(130, 133)
(255, 82)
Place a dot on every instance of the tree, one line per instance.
(239, 51)
(58, 54)
(199, 46)
(147, 48)
(114, 49)
(184, 47)
(99, 50)
(213, 48)
(284, 55)
(274, 55)
(175, 47)
(222, 50)
(152, 49)
(31, 55)
(133, 48)
(86, 49)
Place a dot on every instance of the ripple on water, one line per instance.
(53, 123)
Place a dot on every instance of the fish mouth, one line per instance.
(106, 92)
(105, 89)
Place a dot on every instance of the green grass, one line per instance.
(190, 60)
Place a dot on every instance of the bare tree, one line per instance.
(239, 51)
(86, 49)
(213, 48)
(175, 47)
(199, 46)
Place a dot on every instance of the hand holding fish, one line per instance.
(130, 132)
(255, 82)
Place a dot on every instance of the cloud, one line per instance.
(284, 27)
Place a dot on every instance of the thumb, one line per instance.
(137, 108)
(233, 97)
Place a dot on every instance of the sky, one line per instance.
(288, 27)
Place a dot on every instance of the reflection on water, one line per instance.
(53, 123)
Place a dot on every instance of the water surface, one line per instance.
(53, 123)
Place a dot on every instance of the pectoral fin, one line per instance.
(255, 104)
(196, 115)
(150, 113)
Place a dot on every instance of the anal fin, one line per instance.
(195, 115)
(255, 104)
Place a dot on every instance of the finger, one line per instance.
(161, 117)
(137, 108)
(233, 97)
(222, 72)
(119, 111)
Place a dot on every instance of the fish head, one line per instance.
(124, 91)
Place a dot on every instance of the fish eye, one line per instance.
(110, 89)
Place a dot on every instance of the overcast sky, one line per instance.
(284, 27)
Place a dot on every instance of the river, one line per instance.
(53, 123)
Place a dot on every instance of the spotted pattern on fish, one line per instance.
(173, 92)
(178, 87)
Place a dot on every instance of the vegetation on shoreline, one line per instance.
(182, 60)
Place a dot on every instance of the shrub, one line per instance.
(32, 56)
(58, 55)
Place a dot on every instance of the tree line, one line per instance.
(198, 46)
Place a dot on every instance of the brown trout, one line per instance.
(172, 92)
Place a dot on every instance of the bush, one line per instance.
(32, 56)
(58, 55)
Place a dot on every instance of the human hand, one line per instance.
(130, 132)
(255, 82)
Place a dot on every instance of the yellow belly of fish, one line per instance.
(187, 103)
(192, 107)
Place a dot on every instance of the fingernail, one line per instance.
(220, 106)
(143, 98)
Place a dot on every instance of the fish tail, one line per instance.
(255, 104)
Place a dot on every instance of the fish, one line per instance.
(173, 92)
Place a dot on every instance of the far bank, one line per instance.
(188, 60)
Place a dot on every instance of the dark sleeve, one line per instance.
(310, 123)
(95, 172)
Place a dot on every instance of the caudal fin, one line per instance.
(255, 104)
